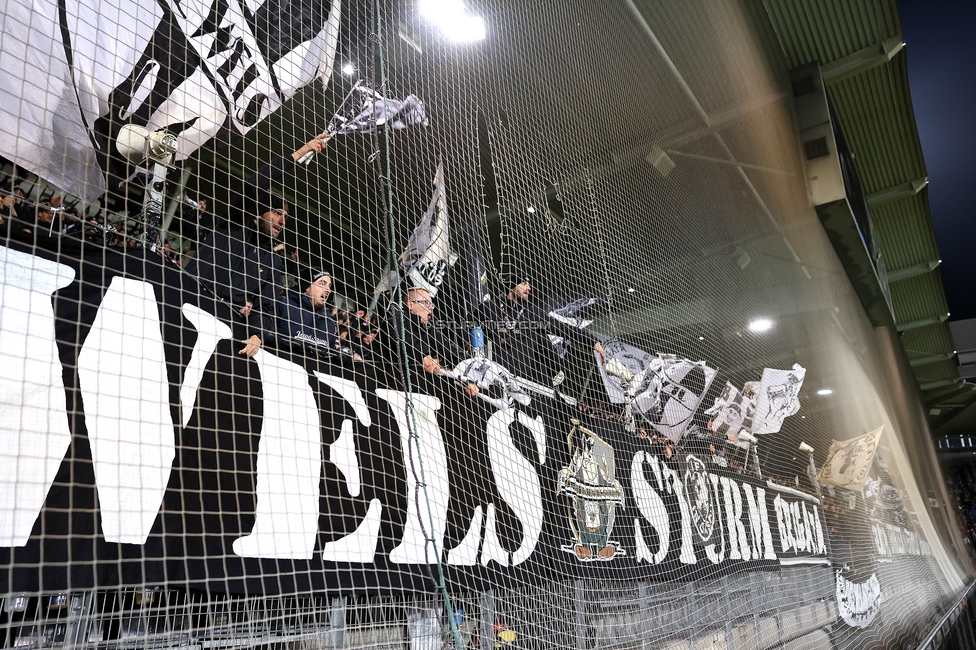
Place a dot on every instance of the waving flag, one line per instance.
(573, 314)
(75, 73)
(427, 256)
(779, 398)
(733, 410)
(849, 461)
(375, 110)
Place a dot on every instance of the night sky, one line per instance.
(939, 39)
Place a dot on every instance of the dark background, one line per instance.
(941, 63)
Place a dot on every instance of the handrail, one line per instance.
(927, 644)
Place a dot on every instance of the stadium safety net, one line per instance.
(421, 324)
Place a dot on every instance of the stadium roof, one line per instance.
(863, 59)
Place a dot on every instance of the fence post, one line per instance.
(578, 594)
(487, 627)
(338, 622)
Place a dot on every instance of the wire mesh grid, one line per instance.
(418, 324)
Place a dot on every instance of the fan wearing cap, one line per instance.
(302, 318)
(519, 334)
(236, 261)
(426, 349)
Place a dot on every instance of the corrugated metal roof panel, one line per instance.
(925, 341)
(906, 239)
(876, 115)
(918, 298)
(827, 30)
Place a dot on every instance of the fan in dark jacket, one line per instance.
(427, 350)
(303, 319)
(236, 263)
(519, 332)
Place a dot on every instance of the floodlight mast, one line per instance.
(139, 145)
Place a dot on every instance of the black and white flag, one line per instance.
(574, 313)
(74, 73)
(665, 388)
(624, 361)
(427, 256)
(779, 398)
(370, 110)
(733, 410)
(682, 385)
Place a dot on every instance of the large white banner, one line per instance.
(72, 73)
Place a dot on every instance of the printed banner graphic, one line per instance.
(663, 388)
(733, 410)
(859, 603)
(849, 462)
(143, 448)
(778, 398)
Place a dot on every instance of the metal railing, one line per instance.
(951, 628)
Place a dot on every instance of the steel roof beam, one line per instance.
(934, 358)
(922, 322)
(901, 191)
(862, 60)
(941, 383)
(911, 271)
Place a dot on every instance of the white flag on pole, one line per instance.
(849, 461)
(779, 398)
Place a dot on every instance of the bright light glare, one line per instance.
(825, 391)
(450, 17)
(348, 68)
(530, 210)
(761, 325)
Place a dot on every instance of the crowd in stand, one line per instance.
(962, 488)
(240, 260)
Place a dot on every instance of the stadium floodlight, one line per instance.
(745, 436)
(805, 447)
(761, 325)
(453, 21)
(348, 68)
(825, 391)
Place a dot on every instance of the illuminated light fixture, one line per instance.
(631, 290)
(701, 338)
(453, 21)
(803, 417)
(761, 325)
(825, 391)
(530, 210)
(348, 68)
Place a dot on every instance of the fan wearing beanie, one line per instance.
(303, 319)
(236, 262)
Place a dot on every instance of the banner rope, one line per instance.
(414, 446)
